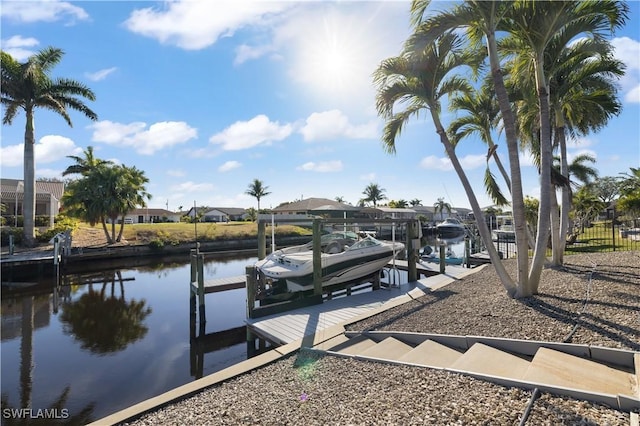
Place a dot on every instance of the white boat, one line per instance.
(450, 227)
(344, 258)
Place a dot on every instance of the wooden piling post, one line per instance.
(250, 274)
(442, 258)
(317, 259)
(262, 240)
(467, 251)
(412, 246)
(200, 273)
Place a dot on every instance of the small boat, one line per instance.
(450, 227)
(345, 258)
(450, 258)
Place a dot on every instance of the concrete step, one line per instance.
(354, 346)
(390, 349)
(333, 342)
(431, 354)
(484, 359)
(560, 369)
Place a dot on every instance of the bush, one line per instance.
(17, 235)
(62, 224)
(156, 244)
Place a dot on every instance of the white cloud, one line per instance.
(194, 25)
(101, 74)
(443, 163)
(322, 167)
(158, 136)
(228, 166)
(47, 11)
(189, 186)
(334, 124)
(48, 149)
(176, 173)
(16, 46)
(244, 52)
(580, 142)
(247, 134)
(628, 51)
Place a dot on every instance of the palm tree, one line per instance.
(28, 86)
(481, 119)
(85, 165)
(561, 22)
(415, 202)
(257, 190)
(419, 79)
(482, 19)
(441, 206)
(373, 193)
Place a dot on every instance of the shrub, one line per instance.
(156, 244)
(62, 224)
(16, 232)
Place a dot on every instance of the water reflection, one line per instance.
(114, 335)
(105, 323)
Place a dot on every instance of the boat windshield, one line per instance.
(364, 243)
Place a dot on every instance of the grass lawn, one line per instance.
(600, 238)
(175, 233)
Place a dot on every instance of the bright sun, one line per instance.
(333, 59)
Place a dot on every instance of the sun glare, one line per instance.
(333, 59)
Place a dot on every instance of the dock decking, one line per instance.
(294, 325)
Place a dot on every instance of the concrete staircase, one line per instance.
(608, 376)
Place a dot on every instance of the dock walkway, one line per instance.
(294, 325)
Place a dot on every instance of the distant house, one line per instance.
(145, 215)
(224, 214)
(315, 207)
(48, 196)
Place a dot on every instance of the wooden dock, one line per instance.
(293, 325)
(221, 284)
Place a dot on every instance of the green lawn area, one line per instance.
(600, 238)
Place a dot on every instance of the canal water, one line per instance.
(107, 339)
(115, 337)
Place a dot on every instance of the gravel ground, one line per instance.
(310, 389)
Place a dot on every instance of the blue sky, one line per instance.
(206, 96)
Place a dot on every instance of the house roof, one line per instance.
(9, 187)
(233, 211)
(306, 205)
(152, 212)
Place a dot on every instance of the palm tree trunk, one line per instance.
(501, 168)
(121, 230)
(29, 170)
(539, 254)
(483, 229)
(106, 231)
(565, 205)
(517, 198)
(555, 227)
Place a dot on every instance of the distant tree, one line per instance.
(85, 165)
(28, 86)
(400, 204)
(252, 214)
(441, 206)
(339, 199)
(415, 202)
(257, 190)
(630, 192)
(606, 188)
(373, 193)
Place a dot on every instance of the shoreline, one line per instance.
(594, 299)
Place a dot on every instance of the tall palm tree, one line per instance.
(28, 86)
(561, 22)
(374, 193)
(85, 165)
(441, 206)
(482, 19)
(417, 81)
(257, 190)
